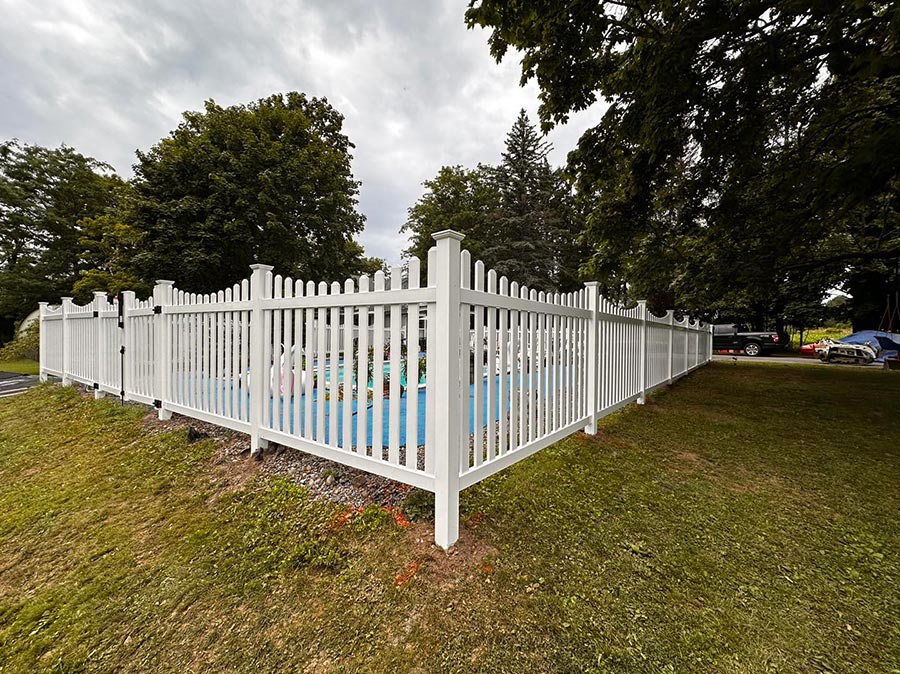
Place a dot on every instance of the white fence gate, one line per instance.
(437, 386)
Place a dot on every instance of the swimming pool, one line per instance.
(283, 409)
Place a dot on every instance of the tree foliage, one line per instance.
(265, 182)
(465, 200)
(109, 246)
(519, 217)
(750, 148)
(45, 196)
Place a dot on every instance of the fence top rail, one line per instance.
(528, 304)
(489, 282)
(73, 309)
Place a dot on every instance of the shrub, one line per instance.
(25, 346)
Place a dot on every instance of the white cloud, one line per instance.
(418, 90)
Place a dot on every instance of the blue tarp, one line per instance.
(888, 341)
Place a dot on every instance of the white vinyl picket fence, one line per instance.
(436, 386)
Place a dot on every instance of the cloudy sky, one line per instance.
(418, 90)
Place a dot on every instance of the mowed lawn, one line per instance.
(21, 366)
(746, 520)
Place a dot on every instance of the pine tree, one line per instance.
(534, 238)
(519, 217)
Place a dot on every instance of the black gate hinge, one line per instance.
(157, 404)
(122, 350)
(96, 386)
(96, 314)
(157, 309)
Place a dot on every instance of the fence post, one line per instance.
(697, 350)
(642, 398)
(709, 349)
(260, 289)
(592, 291)
(66, 348)
(687, 342)
(99, 351)
(671, 343)
(42, 339)
(127, 300)
(162, 361)
(448, 404)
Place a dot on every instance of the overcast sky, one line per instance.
(418, 90)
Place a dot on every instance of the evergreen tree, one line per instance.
(519, 217)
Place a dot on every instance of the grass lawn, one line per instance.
(22, 366)
(747, 520)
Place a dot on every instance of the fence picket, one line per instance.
(503, 346)
(321, 358)
(465, 366)
(491, 417)
(296, 360)
(309, 354)
(347, 384)
(396, 356)
(477, 369)
(515, 374)
(362, 371)
(430, 345)
(334, 361)
(412, 368)
(378, 371)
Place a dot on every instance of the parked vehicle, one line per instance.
(886, 344)
(735, 337)
(834, 351)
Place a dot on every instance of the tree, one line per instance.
(265, 182)
(745, 143)
(109, 247)
(465, 200)
(45, 195)
(519, 217)
(535, 231)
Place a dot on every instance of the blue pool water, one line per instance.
(351, 407)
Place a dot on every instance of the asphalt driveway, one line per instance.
(794, 360)
(12, 384)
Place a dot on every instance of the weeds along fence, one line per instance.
(437, 385)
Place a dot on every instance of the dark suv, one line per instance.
(732, 336)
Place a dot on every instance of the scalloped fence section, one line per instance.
(436, 382)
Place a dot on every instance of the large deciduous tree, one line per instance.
(266, 182)
(519, 217)
(465, 200)
(751, 149)
(45, 196)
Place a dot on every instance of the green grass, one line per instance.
(744, 521)
(21, 366)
